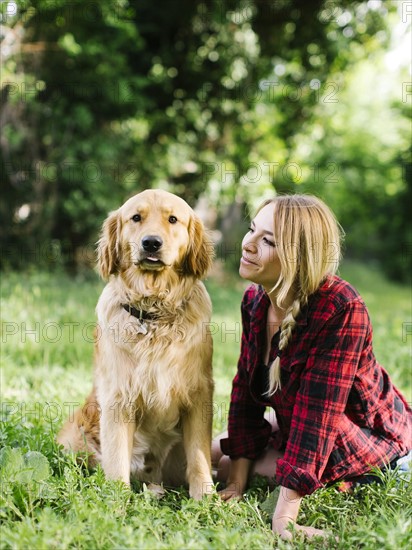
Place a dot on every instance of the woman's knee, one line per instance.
(265, 465)
(222, 469)
(216, 452)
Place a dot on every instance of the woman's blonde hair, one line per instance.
(308, 242)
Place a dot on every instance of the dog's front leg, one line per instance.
(197, 436)
(116, 431)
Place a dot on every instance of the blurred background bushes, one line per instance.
(223, 102)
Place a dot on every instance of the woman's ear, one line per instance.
(108, 253)
(201, 251)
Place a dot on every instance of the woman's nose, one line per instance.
(249, 246)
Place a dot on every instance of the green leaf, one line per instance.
(36, 467)
(11, 462)
(33, 466)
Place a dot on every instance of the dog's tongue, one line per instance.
(152, 259)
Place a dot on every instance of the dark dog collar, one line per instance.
(138, 313)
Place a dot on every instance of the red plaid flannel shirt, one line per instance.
(338, 412)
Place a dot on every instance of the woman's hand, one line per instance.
(285, 526)
(232, 491)
(237, 480)
(286, 512)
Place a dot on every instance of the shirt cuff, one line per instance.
(295, 478)
(245, 447)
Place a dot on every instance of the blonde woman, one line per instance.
(306, 352)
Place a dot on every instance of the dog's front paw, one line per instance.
(199, 489)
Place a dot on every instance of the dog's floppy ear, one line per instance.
(200, 252)
(108, 246)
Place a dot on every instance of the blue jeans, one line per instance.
(403, 466)
(405, 463)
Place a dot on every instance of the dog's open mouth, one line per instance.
(151, 262)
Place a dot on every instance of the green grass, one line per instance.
(47, 372)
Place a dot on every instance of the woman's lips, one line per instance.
(246, 261)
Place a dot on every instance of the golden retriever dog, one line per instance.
(148, 416)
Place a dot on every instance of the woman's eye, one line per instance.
(172, 219)
(250, 229)
(136, 218)
(270, 243)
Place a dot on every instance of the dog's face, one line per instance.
(155, 229)
(152, 232)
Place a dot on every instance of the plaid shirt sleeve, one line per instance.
(325, 384)
(248, 431)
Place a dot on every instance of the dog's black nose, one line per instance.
(151, 243)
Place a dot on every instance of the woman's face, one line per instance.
(260, 261)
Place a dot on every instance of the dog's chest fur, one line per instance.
(145, 387)
(157, 368)
(149, 379)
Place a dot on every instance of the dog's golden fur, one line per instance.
(149, 414)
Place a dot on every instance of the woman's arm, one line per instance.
(248, 431)
(237, 478)
(319, 409)
(286, 513)
(325, 384)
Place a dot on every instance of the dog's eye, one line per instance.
(172, 219)
(136, 218)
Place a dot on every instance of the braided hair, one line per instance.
(308, 240)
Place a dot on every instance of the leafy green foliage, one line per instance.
(103, 99)
(23, 477)
(31, 467)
